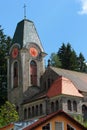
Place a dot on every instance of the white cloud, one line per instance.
(83, 7)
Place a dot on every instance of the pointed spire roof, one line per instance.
(26, 33)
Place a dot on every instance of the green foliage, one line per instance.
(85, 124)
(5, 43)
(67, 58)
(81, 63)
(80, 119)
(73, 61)
(55, 60)
(8, 114)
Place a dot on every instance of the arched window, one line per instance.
(15, 74)
(25, 113)
(84, 111)
(57, 105)
(83, 108)
(29, 112)
(52, 107)
(75, 106)
(32, 111)
(36, 110)
(69, 105)
(41, 109)
(33, 72)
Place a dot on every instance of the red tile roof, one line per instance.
(50, 116)
(56, 88)
(63, 86)
(79, 79)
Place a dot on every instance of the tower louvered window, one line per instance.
(15, 74)
(33, 72)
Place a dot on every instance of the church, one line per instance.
(38, 91)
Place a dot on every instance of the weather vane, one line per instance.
(24, 11)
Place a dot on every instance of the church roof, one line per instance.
(60, 86)
(26, 33)
(76, 82)
(78, 79)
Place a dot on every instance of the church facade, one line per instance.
(37, 91)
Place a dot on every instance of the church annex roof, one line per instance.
(78, 79)
(60, 86)
(26, 33)
(76, 82)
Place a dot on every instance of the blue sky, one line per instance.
(56, 21)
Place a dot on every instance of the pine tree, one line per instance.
(81, 63)
(61, 54)
(66, 54)
(55, 60)
(5, 43)
(73, 61)
(67, 58)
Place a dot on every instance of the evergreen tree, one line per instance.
(67, 57)
(4, 47)
(73, 61)
(55, 60)
(61, 54)
(81, 63)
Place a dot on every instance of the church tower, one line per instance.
(25, 62)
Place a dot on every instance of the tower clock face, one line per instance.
(33, 52)
(15, 52)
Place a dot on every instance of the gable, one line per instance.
(58, 116)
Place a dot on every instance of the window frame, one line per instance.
(61, 123)
(12, 74)
(46, 125)
(69, 105)
(71, 127)
(33, 76)
(75, 106)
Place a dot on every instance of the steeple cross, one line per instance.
(24, 11)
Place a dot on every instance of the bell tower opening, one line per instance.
(33, 72)
(15, 74)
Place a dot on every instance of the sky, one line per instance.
(56, 21)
